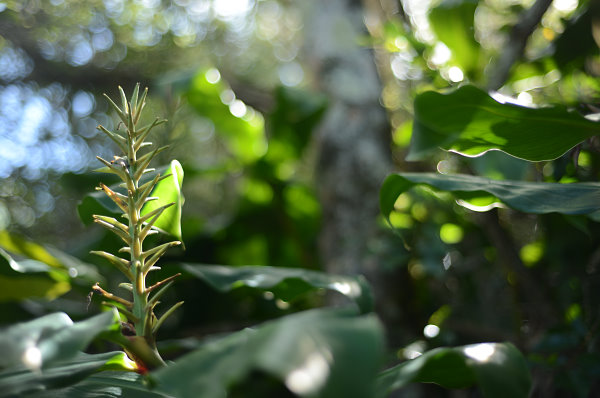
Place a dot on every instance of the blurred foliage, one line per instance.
(500, 274)
(239, 92)
(284, 283)
(483, 364)
(485, 124)
(47, 353)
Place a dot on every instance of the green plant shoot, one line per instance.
(131, 167)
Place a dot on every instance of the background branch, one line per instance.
(515, 45)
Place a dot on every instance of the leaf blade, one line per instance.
(47, 352)
(470, 122)
(529, 197)
(344, 350)
(168, 191)
(498, 369)
(225, 278)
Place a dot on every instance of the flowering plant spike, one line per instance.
(138, 336)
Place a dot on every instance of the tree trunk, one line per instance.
(352, 139)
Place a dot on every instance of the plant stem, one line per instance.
(130, 168)
(140, 296)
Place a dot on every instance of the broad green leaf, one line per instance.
(319, 353)
(285, 283)
(528, 197)
(9, 266)
(21, 288)
(30, 278)
(243, 132)
(32, 257)
(23, 382)
(26, 248)
(452, 22)
(498, 369)
(168, 191)
(470, 122)
(105, 384)
(81, 273)
(46, 352)
(55, 337)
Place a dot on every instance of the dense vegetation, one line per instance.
(379, 198)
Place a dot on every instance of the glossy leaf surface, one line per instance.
(30, 278)
(46, 352)
(23, 382)
(285, 283)
(452, 21)
(26, 248)
(498, 369)
(318, 353)
(168, 191)
(29, 269)
(528, 197)
(470, 122)
(106, 384)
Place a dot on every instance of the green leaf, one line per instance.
(106, 384)
(30, 278)
(498, 369)
(470, 122)
(528, 197)
(26, 248)
(452, 22)
(33, 260)
(54, 336)
(318, 353)
(168, 191)
(46, 352)
(244, 136)
(23, 382)
(285, 283)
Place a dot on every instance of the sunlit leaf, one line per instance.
(452, 22)
(470, 122)
(168, 191)
(55, 336)
(30, 278)
(32, 257)
(285, 283)
(23, 382)
(241, 128)
(318, 353)
(18, 245)
(528, 197)
(498, 369)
